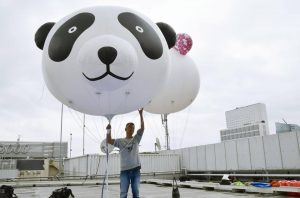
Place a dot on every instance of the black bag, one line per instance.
(62, 193)
(225, 182)
(7, 192)
(175, 191)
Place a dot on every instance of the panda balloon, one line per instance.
(105, 60)
(181, 88)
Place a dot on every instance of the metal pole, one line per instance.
(167, 132)
(83, 134)
(61, 125)
(165, 123)
(70, 145)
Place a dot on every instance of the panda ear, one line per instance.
(42, 33)
(168, 32)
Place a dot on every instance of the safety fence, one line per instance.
(89, 165)
(280, 152)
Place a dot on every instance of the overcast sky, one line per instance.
(247, 51)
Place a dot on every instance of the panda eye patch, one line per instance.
(63, 39)
(72, 29)
(139, 29)
(143, 33)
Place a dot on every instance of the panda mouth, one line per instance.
(108, 72)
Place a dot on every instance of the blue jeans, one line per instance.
(130, 177)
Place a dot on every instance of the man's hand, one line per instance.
(142, 118)
(108, 128)
(108, 135)
(141, 111)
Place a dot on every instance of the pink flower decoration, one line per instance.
(183, 43)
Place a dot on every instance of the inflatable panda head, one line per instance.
(105, 60)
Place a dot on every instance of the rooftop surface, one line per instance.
(91, 190)
(146, 191)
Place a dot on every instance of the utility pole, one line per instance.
(83, 134)
(70, 145)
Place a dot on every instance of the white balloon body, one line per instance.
(104, 148)
(181, 88)
(82, 81)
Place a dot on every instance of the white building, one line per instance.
(246, 121)
(31, 159)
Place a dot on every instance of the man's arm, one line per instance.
(142, 118)
(108, 135)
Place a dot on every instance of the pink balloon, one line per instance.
(183, 43)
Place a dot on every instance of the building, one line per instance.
(246, 121)
(284, 127)
(31, 159)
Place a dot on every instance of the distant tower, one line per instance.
(246, 121)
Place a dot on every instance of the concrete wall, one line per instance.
(272, 152)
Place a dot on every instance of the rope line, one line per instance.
(185, 125)
(94, 139)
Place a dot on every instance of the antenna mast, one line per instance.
(284, 121)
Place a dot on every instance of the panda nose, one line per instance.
(107, 55)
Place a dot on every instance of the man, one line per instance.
(130, 161)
